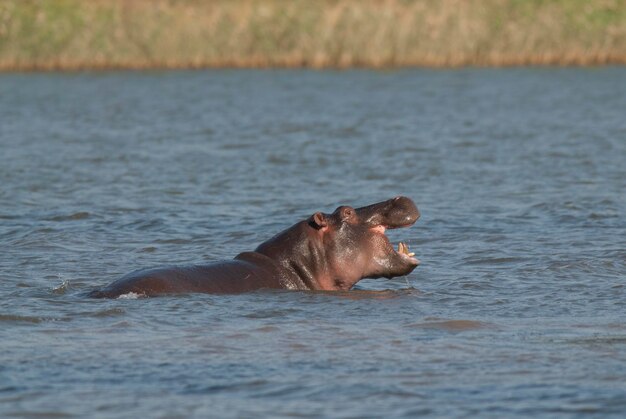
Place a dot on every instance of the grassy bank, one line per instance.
(76, 34)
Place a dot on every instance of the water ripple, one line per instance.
(518, 306)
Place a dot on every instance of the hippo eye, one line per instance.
(347, 212)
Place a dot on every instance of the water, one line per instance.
(518, 308)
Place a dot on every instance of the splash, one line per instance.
(62, 287)
(131, 296)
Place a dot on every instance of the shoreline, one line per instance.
(521, 63)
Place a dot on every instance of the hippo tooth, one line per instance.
(404, 249)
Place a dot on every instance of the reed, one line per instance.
(80, 34)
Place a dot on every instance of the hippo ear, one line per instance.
(318, 220)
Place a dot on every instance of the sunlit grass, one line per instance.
(74, 34)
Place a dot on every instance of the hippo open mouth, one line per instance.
(403, 248)
(395, 213)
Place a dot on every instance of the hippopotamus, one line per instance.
(326, 252)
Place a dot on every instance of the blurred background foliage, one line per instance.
(75, 34)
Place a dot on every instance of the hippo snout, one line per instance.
(404, 212)
(393, 213)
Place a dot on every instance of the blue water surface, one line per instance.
(517, 310)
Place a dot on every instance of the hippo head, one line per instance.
(335, 251)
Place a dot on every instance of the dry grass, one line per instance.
(77, 34)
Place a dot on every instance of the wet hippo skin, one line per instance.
(324, 252)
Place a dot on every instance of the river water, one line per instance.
(518, 308)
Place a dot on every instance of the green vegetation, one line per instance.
(75, 34)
